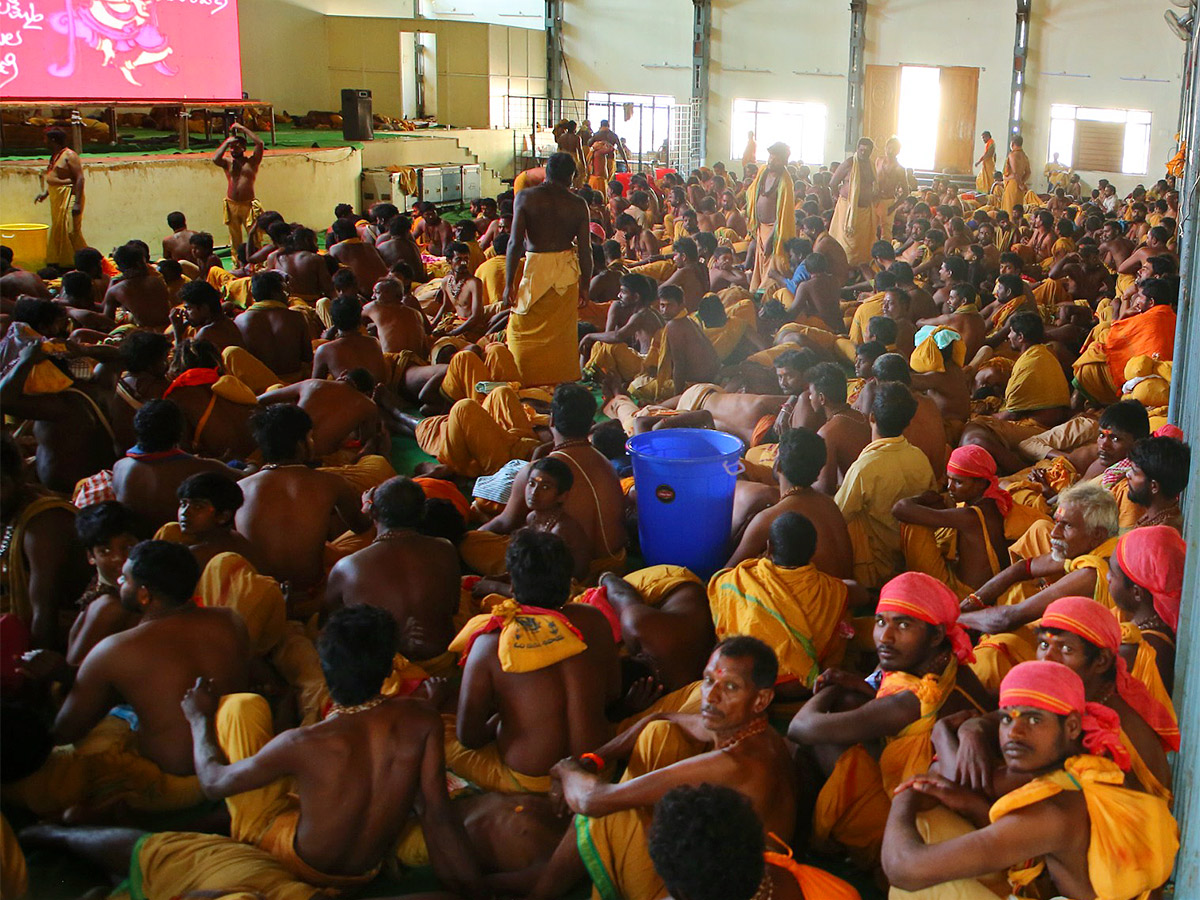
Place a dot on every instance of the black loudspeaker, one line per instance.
(357, 123)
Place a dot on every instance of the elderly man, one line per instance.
(1082, 541)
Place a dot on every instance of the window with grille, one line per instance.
(799, 125)
(1100, 140)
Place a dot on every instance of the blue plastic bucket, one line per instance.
(685, 479)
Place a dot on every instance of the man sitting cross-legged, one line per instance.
(922, 675)
(733, 746)
(413, 577)
(100, 758)
(537, 675)
(1057, 805)
(962, 546)
(324, 804)
(789, 603)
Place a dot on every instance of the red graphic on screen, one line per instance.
(119, 49)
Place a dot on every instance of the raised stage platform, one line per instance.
(128, 195)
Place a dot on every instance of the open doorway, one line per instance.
(418, 74)
(931, 109)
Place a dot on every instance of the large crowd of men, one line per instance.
(940, 651)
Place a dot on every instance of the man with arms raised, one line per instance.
(550, 228)
(1057, 805)
(241, 208)
(413, 578)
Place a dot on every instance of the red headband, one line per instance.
(1053, 687)
(924, 597)
(972, 461)
(1096, 624)
(1152, 558)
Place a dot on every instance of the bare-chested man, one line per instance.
(819, 296)
(399, 325)
(208, 502)
(175, 639)
(43, 547)
(802, 454)
(537, 712)
(351, 348)
(398, 246)
(597, 501)
(341, 409)
(16, 282)
(307, 270)
(824, 243)
(140, 291)
(734, 219)
(723, 273)
(277, 336)
(175, 245)
(845, 431)
(746, 755)
(240, 207)
(202, 312)
(963, 317)
(147, 479)
(291, 509)
(693, 359)
(764, 212)
(414, 578)
(891, 186)
(62, 182)
(460, 300)
(690, 275)
(74, 435)
(640, 243)
(927, 430)
(321, 806)
(361, 258)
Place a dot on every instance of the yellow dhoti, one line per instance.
(853, 224)
(103, 768)
(466, 370)
(370, 471)
(251, 371)
(619, 359)
(543, 328)
(14, 876)
(616, 853)
(66, 228)
(485, 768)
(937, 826)
(174, 864)
(239, 217)
(232, 287)
(478, 438)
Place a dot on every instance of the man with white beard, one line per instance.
(1082, 540)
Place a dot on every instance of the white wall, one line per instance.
(625, 46)
(1140, 69)
(130, 198)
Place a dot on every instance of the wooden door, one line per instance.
(956, 119)
(881, 104)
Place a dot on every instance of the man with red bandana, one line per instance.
(922, 675)
(1145, 579)
(1058, 806)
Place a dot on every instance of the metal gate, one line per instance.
(675, 144)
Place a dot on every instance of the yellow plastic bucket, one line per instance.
(28, 243)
